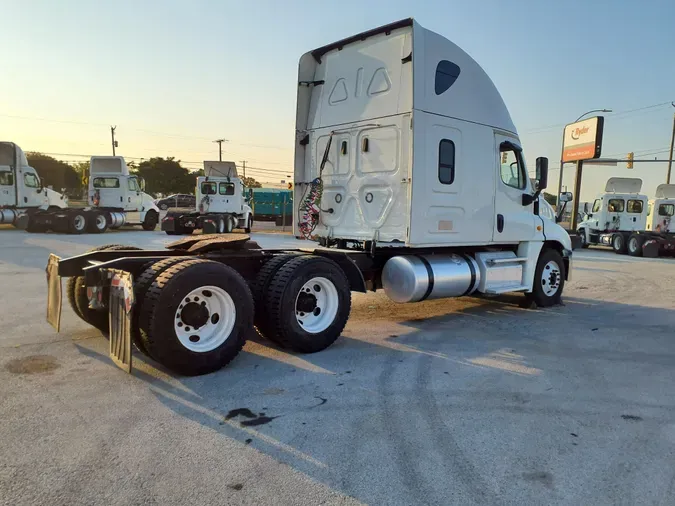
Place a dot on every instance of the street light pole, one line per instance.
(562, 148)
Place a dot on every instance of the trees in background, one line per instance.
(165, 176)
(53, 172)
(249, 182)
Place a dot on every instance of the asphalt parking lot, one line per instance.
(460, 401)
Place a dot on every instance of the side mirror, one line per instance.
(565, 197)
(542, 173)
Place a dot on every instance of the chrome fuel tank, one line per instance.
(117, 219)
(9, 216)
(413, 278)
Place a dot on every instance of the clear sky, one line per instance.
(174, 75)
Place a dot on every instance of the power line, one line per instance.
(152, 132)
(616, 115)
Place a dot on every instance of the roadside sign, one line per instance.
(583, 140)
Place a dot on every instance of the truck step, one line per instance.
(497, 261)
(506, 289)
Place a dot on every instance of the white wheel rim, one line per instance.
(317, 305)
(79, 222)
(204, 319)
(550, 278)
(221, 226)
(100, 222)
(617, 242)
(632, 244)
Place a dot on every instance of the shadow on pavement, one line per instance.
(470, 402)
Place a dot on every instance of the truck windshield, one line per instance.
(597, 205)
(106, 182)
(667, 209)
(208, 188)
(6, 178)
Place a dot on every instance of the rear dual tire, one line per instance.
(635, 243)
(619, 244)
(195, 316)
(303, 302)
(98, 223)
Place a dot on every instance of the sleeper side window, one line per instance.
(6, 178)
(446, 161)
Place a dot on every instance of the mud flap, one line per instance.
(54, 292)
(120, 306)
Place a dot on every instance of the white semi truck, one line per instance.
(628, 222)
(221, 205)
(21, 191)
(115, 198)
(410, 175)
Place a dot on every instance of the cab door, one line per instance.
(134, 201)
(7, 190)
(33, 193)
(514, 222)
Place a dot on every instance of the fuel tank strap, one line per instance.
(430, 273)
(472, 269)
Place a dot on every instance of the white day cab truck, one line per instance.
(21, 191)
(221, 205)
(408, 173)
(115, 198)
(629, 222)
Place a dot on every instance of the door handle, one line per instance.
(500, 223)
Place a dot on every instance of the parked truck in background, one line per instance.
(221, 205)
(410, 176)
(21, 190)
(628, 221)
(114, 197)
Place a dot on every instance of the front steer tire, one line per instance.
(151, 220)
(161, 309)
(283, 299)
(549, 261)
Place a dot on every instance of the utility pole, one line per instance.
(220, 148)
(243, 165)
(672, 143)
(112, 134)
